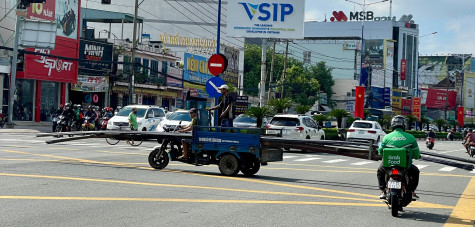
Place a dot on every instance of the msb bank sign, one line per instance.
(266, 18)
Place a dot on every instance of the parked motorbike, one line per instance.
(2, 120)
(430, 142)
(341, 134)
(62, 124)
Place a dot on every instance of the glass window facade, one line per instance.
(23, 100)
(49, 99)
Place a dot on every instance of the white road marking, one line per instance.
(285, 156)
(447, 169)
(335, 161)
(421, 166)
(306, 159)
(24, 140)
(361, 163)
(473, 171)
(445, 152)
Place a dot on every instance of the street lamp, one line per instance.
(363, 5)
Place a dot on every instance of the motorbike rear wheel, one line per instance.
(158, 162)
(394, 205)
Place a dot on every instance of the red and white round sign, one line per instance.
(217, 64)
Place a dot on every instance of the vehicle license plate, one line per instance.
(360, 132)
(394, 184)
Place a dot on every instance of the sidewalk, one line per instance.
(28, 127)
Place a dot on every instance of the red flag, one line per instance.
(359, 102)
(460, 115)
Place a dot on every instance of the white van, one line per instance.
(148, 117)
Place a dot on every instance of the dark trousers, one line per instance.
(413, 173)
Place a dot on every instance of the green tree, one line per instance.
(259, 113)
(411, 119)
(366, 114)
(440, 123)
(302, 109)
(323, 75)
(339, 114)
(387, 122)
(300, 87)
(280, 104)
(320, 118)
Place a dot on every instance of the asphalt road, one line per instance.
(91, 183)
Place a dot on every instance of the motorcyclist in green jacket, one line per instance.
(399, 139)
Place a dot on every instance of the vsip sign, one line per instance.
(266, 18)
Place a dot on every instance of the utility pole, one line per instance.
(262, 87)
(271, 72)
(447, 95)
(285, 68)
(11, 97)
(132, 98)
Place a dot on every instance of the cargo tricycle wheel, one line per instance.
(158, 162)
(252, 167)
(229, 165)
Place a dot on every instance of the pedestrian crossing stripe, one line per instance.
(335, 160)
(289, 156)
(421, 166)
(361, 163)
(307, 159)
(447, 169)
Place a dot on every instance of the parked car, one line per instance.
(148, 117)
(294, 126)
(244, 121)
(365, 131)
(179, 117)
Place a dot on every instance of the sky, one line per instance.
(453, 20)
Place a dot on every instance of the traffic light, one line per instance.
(107, 2)
(25, 3)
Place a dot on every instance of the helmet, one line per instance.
(90, 107)
(398, 121)
(67, 106)
(61, 106)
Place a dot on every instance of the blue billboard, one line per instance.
(196, 69)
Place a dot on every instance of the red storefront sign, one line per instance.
(416, 107)
(403, 69)
(51, 68)
(406, 106)
(42, 11)
(436, 99)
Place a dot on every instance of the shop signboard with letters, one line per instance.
(98, 56)
(66, 15)
(91, 84)
(266, 19)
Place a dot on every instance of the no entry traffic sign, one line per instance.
(217, 64)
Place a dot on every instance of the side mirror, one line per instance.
(150, 115)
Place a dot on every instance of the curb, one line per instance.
(19, 131)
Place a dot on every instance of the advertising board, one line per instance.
(266, 19)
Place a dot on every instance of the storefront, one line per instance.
(41, 87)
(90, 90)
(146, 95)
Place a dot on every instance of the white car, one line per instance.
(148, 117)
(294, 126)
(365, 131)
(179, 117)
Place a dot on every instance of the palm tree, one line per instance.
(387, 121)
(440, 122)
(280, 104)
(302, 109)
(320, 118)
(259, 113)
(350, 121)
(339, 114)
(426, 121)
(410, 119)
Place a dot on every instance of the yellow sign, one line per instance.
(146, 91)
(397, 101)
(188, 41)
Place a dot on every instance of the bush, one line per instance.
(422, 134)
(331, 133)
